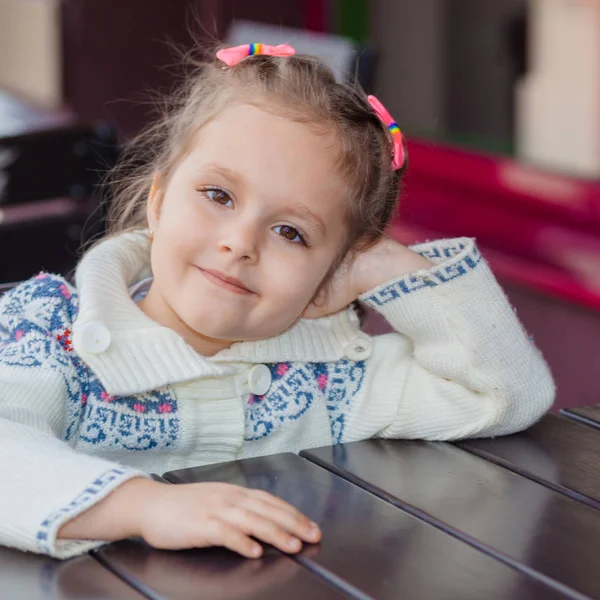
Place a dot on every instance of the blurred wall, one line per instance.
(409, 38)
(30, 50)
(115, 52)
(484, 57)
(449, 67)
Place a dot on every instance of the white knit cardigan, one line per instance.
(93, 392)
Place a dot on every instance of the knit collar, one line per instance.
(103, 278)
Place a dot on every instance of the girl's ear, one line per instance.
(153, 203)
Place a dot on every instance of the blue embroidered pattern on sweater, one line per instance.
(436, 276)
(37, 317)
(85, 498)
(33, 314)
(142, 422)
(344, 381)
(295, 387)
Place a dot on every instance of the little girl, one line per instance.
(217, 322)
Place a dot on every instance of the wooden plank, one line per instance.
(588, 415)
(35, 577)
(538, 531)
(556, 452)
(214, 573)
(376, 549)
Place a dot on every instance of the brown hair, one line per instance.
(299, 87)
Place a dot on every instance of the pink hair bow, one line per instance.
(232, 56)
(385, 117)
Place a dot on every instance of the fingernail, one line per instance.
(256, 550)
(294, 544)
(314, 528)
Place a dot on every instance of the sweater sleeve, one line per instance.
(44, 481)
(460, 363)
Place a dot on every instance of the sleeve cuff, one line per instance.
(451, 260)
(98, 489)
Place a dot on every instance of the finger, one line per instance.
(317, 307)
(312, 311)
(263, 528)
(320, 305)
(220, 532)
(286, 516)
(271, 499)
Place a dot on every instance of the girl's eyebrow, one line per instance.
(308, 215)
(224, 172)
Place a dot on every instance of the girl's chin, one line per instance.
(206, 328)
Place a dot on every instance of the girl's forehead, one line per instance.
(256, 146)
(242, 124)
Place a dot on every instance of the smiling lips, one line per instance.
(229, 283)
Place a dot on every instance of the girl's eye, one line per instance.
(217, 195)
(289, 233)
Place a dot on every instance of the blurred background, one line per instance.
(499, 100)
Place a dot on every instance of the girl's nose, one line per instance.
(242, 242)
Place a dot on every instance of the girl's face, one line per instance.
(246, 229)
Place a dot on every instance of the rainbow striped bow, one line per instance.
(232, 56)
(385, 117)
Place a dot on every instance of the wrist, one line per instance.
(128, 501)
(115, 517)
(386, 261)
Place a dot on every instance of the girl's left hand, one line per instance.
(386, 260)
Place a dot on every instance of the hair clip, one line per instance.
(385, 117)
(232, 56)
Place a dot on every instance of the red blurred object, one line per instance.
(315, 15)
(540, 232)
(536, 228)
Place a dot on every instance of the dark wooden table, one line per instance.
(506, 518)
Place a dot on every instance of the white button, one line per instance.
(259, 380)
(358, 349)
(354, 319)
(93, 337)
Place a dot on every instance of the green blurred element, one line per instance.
(351, 19)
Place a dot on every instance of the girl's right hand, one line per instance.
(196, 515)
